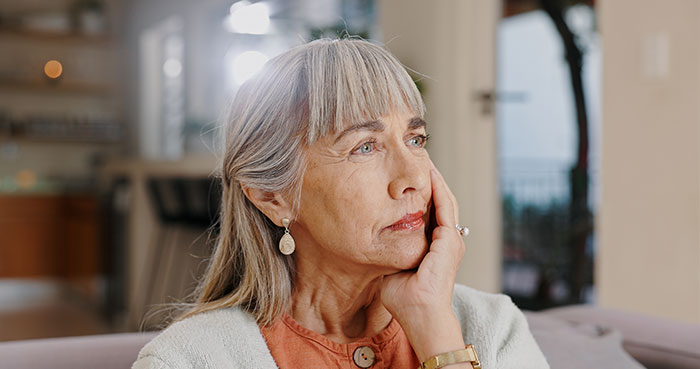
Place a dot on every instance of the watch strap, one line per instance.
(465, 355)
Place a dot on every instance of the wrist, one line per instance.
(426, 350)
(433, 333)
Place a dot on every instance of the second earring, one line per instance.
(287, 245)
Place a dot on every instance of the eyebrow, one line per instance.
(378, 126)
(416, 122)
(372, 125)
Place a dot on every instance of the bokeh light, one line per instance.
(172, 68)
(53, 69)
(247, 64)
(250, 18)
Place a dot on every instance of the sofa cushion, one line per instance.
(655, 342)
(568, 345)
(111, 351)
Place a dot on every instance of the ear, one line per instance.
(272, 204)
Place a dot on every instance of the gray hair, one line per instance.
(298, 97)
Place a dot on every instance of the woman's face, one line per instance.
(366, 196)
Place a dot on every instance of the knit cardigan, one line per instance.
(230, 338)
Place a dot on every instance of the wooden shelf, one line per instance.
(53, 36)
(56, 86)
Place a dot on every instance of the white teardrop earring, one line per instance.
(287, 245)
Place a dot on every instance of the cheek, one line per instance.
(362, 194)
(344, 205)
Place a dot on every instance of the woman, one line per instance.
(339, 242)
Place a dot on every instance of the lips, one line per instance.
(408, 222)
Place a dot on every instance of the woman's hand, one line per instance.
(421, 301)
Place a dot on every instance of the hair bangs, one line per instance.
(353, 81)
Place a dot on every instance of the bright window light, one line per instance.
(250, 18)
(247, 64)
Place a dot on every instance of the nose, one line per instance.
(408, 173)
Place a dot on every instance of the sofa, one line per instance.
(583, 336)
(572, 337)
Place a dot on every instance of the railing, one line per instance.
(541, 182)
(537, 232)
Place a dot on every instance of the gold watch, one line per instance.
(465, 355)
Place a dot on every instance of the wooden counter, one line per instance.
(49, 235)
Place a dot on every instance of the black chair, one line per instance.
(187, 212)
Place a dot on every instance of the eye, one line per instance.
(365, 148)
(419, 141)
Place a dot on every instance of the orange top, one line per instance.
(293, 346)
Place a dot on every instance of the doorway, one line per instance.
(538, 141)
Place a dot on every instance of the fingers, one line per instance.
(452, 196)
(443, 188)
(446, 217)
(443, 203)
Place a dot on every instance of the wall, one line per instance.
(648, 259)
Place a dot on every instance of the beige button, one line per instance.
(363, 357)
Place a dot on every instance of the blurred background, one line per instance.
(568, 131)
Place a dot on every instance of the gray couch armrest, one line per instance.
(110, 351)
(654, 342)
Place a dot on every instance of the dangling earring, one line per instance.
(287, 244)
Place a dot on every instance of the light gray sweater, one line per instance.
(230, 338)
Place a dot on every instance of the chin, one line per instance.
(412, 253)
